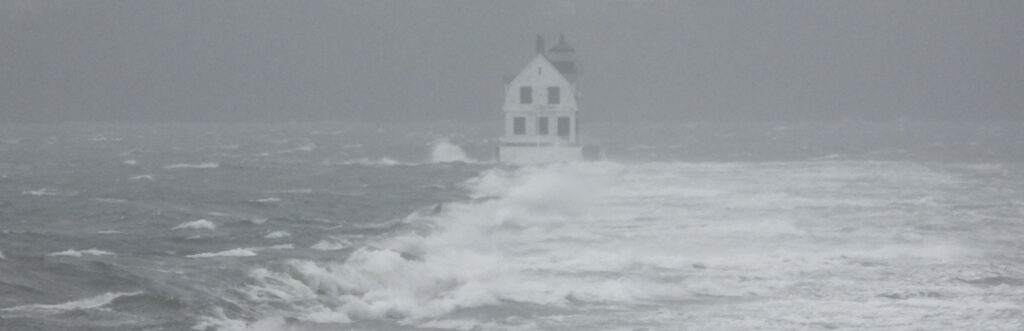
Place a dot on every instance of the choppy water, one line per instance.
(320, 226)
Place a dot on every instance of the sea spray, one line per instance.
(471, 258)
(444, 151)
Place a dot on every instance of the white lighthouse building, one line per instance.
(541, 106)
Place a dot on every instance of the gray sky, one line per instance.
(385, 60)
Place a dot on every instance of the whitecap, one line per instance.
(444, 151)
(110, 200)
(206, 165)
(86, 303)
(463, 262)
(197, 224)
(130, 162)
(381, 162)
(237, 252)
(138, 177)
(278, 235)
(2, 257)
(80, 253)
(294, 191)
(270, 200)
(325, 245)
(49, 192)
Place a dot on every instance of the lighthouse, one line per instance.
(541, 108)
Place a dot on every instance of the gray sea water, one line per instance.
(324, 226)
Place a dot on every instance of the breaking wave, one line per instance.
(80, 253)
(473, 257)
(278, 235)
(444, 151)
(206, 165)
(50, 193)
(571, 236)
(237, 252)
(197, 224)
(86, 303)
(381, 162)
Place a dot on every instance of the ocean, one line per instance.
(412, 226)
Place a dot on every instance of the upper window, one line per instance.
(525, 94)
(554, 95)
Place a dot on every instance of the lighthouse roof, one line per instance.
(562, 46)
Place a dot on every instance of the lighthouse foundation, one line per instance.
(525, 154)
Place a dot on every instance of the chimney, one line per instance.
(540, 44)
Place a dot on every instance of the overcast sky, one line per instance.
(388, 60)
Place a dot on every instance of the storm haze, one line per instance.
(444, 60)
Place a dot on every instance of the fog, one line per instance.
(444, 60)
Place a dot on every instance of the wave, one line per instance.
(240, 252)
(331, 245)
(138, 177)
(294, 191)
(2, 257)
(80, 253)
(634, 236)
(81, 304)
(278, 235)
(463, 263)
(130, 162)
(197, 224)
(266, 201)
(237, 252)
(444, 152)
(206, 165)
(50, 193)
(381, 162)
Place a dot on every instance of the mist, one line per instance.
(444, 60)
(228, 165)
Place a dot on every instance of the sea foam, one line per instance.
(278, 235)
(206, 165)
(469, 260)
(237, 252)
(197, 224)
(80, 253)
(444, 151)
(80, 304)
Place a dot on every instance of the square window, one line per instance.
(563, 126)
(525, 95)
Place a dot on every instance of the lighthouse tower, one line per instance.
(540, 109)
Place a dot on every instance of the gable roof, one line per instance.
(547, 68)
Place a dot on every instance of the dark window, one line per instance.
(519, 126)
(542, 125)
(525, 94)
(554, 95)
(563, 126)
